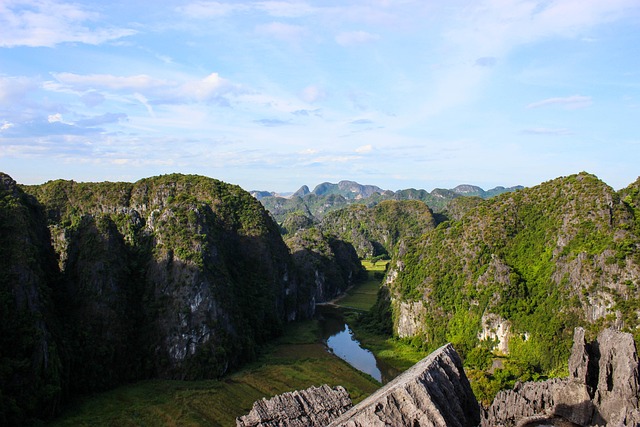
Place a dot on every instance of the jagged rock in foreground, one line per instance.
(434, 392)
(315, 406)
(602, 389)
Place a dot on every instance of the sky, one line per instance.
(273, 95)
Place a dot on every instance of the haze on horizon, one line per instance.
(273, 95)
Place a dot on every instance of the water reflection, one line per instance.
(340, 340)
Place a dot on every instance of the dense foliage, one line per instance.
(543, 260)
(175, 276)
(31, 377)
(377, 230)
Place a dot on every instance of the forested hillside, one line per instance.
(520, 271)
(376, 231)
(177, 276)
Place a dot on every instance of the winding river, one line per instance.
(340, 341)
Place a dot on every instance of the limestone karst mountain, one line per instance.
(176, 276)
(523, 269)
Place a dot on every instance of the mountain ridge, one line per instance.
(327, 197)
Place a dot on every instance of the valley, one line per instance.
(177, 296)
(297, 360)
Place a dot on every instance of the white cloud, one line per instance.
(312, 94)
(279, 30)
(144, 101)
(202, 90)
(37, 23)
(108, 81)
(6, 125)
(208, 9)
(55, 118)
(13, 89)
(285, 9)
(146, 89)
(547, 131)
(569, 102)
(364, 149)
(351, 38)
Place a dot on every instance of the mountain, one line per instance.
(328, 197)
(347, 189)
(375, 231)
(175, 276)
(516, 273)
(31, 370)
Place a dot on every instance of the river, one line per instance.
(341, 341)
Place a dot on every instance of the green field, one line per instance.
(363, 295)
(297, 360)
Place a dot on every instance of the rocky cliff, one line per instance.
(540, 260)
(31, 371)
(602, 389)
(434, 392)
(315, 406)
(177, 276)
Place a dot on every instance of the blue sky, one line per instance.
(271, 95)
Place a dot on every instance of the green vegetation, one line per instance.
(364, 295)
(539, 258)
(370, 319)
(328, 198)
(376, 231)
(295, 361)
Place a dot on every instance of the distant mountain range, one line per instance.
(327, 197)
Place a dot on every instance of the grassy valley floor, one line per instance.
(297, 360)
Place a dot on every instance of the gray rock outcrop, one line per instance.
(315, 406)
(602, 389)
(434, 392)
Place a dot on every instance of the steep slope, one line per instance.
(197, 259)
(327, 266)
(31, 378)
(534, 263)
(376, 231)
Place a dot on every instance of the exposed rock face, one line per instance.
(602, 389)
(434, 392)
(176, 276)
(315, 406)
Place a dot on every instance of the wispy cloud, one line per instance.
(486, 61)
(108, 81)
(312, 93)
(272, 122)
(364, 149)
(209, 9)
(351, 38)
(569, 102)
(14, 88)
(547, 131)
(211, 88)
(285, 9)
(41, 23)
(286, 32)
(362, 122)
